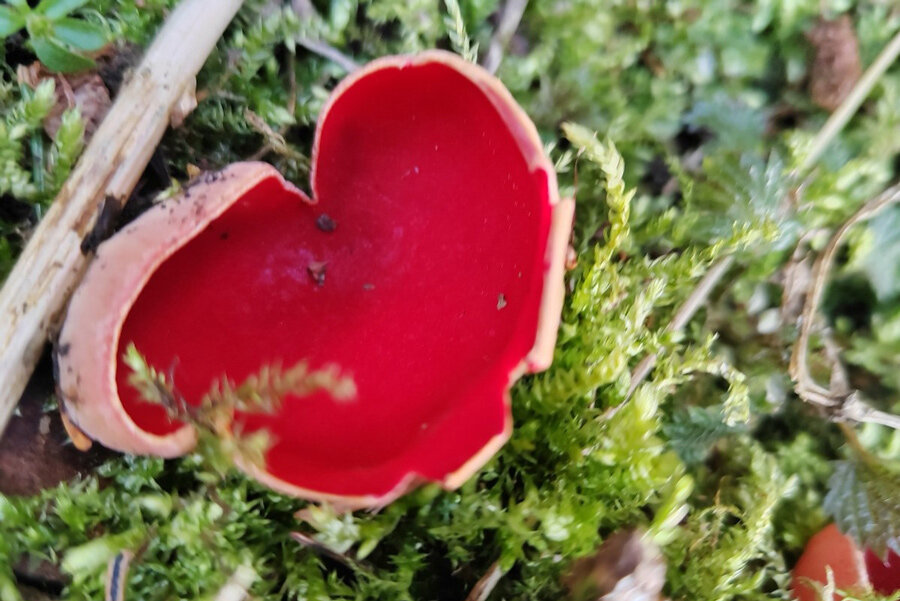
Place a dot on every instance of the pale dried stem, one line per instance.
(510, 17)
(485, 586)
(36, 292)
(841, 404)
(825, 136)
(682, 316)
(326, 551)
(305, 10)
(851, 103)
(331, 53)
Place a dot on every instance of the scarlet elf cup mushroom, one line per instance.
(852, 569)
(436, 284)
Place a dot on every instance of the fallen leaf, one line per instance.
(836, 67)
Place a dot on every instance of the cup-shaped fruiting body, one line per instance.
(427, 265)
(852, 569)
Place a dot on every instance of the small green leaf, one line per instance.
(8, 589)
(694, 431)
(862, 498)
(80, 34)
(56, 57)
(10, 21)
(56, 9)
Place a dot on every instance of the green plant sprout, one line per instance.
(59, 40)
(220, 437)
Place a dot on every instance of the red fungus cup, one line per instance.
(426, 263)
(852, 569)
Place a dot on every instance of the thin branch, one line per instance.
(485, 585)
(510, 17)
(851, 103)
(682, 316)
(326, 551)
(117, 575)
(329, 52)
(842, 405)
(48, 270)
(826, 135)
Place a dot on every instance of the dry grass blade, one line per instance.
(510, 16)
(682, 316)
(485, 585)
(851, 103)
(329, 52)
(826, 135)
(840, 404)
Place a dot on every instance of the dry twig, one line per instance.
(851, 103)
(510, 16)
(274, 140)
(485, 585)
(326, 551)
(36, 292)
(840, 402)
(682, 316)
(826, 135)
(329, 52)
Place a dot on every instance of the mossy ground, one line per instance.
(702, 114)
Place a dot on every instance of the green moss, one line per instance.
(692, 118)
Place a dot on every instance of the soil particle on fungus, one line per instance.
(325, 223)
(210, 177)
(316, 271)
(501, 301)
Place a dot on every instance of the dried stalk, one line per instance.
(306, 11)
(329, 52)
(510, 16)
(851, 103)
(682, 316)
(485, 585)
(826, 135)
(162, 87)
(840, 403)
(326, 551)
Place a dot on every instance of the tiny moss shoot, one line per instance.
(220, 438)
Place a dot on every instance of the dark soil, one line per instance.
(35, 452)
